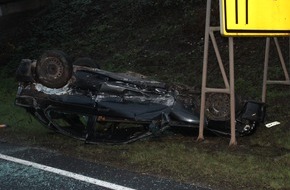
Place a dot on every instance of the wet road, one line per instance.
(34, 168)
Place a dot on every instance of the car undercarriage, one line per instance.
(80, 100)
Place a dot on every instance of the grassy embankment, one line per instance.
(163, 40)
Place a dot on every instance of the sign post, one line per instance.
(244, 18)
(229, 85)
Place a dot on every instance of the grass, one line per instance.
(19, 122)
(165, 44)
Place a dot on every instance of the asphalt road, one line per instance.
(35, 168)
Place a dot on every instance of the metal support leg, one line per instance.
(266, 65)
(265, 75)
(282, 61)
(233, 140)
(204, 71)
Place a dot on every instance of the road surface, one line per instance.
(35, 168)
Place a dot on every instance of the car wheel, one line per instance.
(53, 69)
(217, 106)
(87, 62)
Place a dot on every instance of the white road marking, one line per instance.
(65, 173)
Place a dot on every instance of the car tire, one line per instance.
(217, 106)
(53, 69)
(87, 62)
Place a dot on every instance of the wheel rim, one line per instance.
(54, 68)
(218, 107)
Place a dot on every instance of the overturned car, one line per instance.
(80, 100)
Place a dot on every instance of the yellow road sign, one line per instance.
(255, 17)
